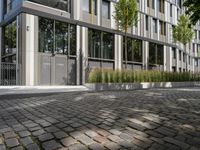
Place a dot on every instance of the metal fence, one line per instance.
(8, 74)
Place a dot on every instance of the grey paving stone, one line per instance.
(91, 133)
(39, 132)
(60, 135)
(85, 140)
(2, 147)
(10, 134)
(176, 142)
(33, 147)
(24, 133)
(96, 146)
(78, 147)
(51, 145)
(12, 142)
(45, 137)
(112, 146)
(26, 141)
(17, 148)
(68, 141)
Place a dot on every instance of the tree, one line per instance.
(126, 16)
(193, 9)
(183, 32)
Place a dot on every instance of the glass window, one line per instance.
(148, 3)
(63, 34)
(107, 45)
(156, 54)
(153, 4)
(85, 6)
(134, 50)
(160, 55)
(46, 35)
(170, 10)
(152, 53)
(94, 45)
(106, 9)
(180, 55)
(147, 23)
(61, 37)
(10, 38)
(155, 25)
(59, 4)
(174, 52)
(100, 44)
(72, 37)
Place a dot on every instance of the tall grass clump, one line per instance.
(129, 76)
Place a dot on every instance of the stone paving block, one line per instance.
(96, 146)
(78, 147)
(115, 138)
(17, 148)
(115, 131)
(12, 142)
(68, 141)
(39, 132)
(45, 137)
(24, 133)
(112, 146)
(101, 139)
(32, 147)
(26, 141)
(85, 139)
(8, 135)
(176, 142)
(91, 133)
(60, 134)
(51, 145)
(126, 137)
(2, 147)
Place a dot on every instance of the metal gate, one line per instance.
(8, 74)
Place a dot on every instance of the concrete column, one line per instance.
(165, 58)
(30, 50)
(76, 9)
(145, 53)
(177, 60)
(78, 56)
(118, 51)
(84, 53)
(99, 12)
(168, 58)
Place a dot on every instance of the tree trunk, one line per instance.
(126, 49)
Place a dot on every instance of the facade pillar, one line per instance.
(84, 54)
(145, 54)
(30, 50)
(165, 58)
(78, 56)
(1, 46)
(177, 60)
(118, 48)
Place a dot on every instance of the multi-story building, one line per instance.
(58, 42)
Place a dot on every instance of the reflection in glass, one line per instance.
(107, 44)
(106, 9)
(46, 35)
(72, 35)
(61, 37)
(10, 37)
(94, 43)
(59, 4)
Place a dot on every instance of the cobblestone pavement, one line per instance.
(147, 119)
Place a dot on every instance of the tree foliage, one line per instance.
(193, 9)
(126, 16)
(183, 32)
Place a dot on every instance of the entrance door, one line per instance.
(53, 69)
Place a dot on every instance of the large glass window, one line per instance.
(46, 35)
(106, 9)
(90, 6)
(155, 27)
(59, 4)
(107, 45)
(10, 38)
(100, 44)
(156, 54)
(134, 50)
(56, 37)
(94, 43)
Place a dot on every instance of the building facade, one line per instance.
(58, 42)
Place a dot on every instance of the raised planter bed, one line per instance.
(138, 86)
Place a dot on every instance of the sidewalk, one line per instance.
(7, 90)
